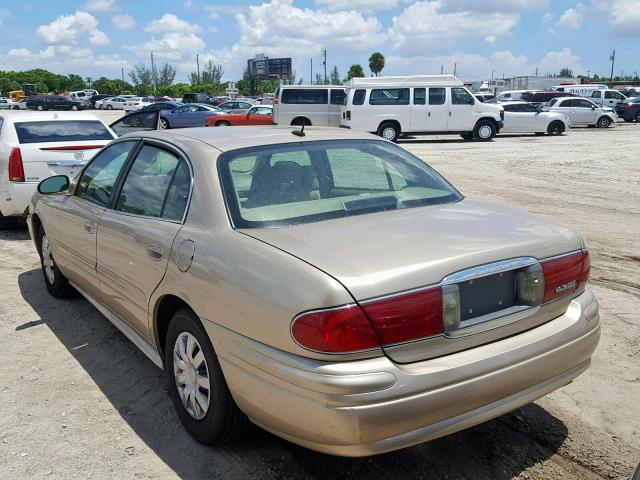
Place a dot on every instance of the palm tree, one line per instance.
(376, 63)
(355, 71)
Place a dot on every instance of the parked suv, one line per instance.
(424, 104)
(541, 98)
(196, 98)
(53, 102)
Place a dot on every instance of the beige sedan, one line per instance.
(329, 287)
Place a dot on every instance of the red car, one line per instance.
(258, 115)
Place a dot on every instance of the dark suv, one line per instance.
(53, 102)
(541, 98)
(196, 98)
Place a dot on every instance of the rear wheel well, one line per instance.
(393, 122)
(164, 311)
(299, 121)
(36, 225)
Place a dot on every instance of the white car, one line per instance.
(37, 145)
(522, 117)
(113, 103)
(136, 103)
(99, 103)
(8, 104)
(582, 111)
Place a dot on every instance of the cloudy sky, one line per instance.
(507, 37)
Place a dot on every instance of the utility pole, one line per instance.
(536, 71)
(122, 71)
(153, 73)
(455, 69)
(198, 66)
(441, 69)
(311, 76)
(588, 73)
(492, 72)
(324, 64)
(613, 61)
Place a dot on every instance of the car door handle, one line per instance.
(155, 252)
(90, 227)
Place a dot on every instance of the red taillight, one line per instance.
(16, 169)
(339, 330)
(565, 275)
(407, 316)
(627, 105)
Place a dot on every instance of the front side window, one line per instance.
(145, 189)
(437, 96)
(99, 177)
(279, 185)
(419, 96)
(578, 102)
(389, 96)
(595, 94)
(460, 96)
(358, 97)
(308, 96)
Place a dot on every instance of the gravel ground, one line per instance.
(78, 400)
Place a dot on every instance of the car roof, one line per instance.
(227, 139)
(514, 102)
(30, 116)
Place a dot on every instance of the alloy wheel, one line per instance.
(47, 260)
(191, 375)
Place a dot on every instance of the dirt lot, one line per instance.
(78, 400)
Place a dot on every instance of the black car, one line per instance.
(196, 98)
(629, 110)
(160, 106)
(95, 98)
(53, 102)
(541, 98)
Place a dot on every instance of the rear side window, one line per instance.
(389, 96)
(419, 96)
(307, 96)
(61, 131)
(358, 97)
(147, 183)
(336, 97)
(437, 96)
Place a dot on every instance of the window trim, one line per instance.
(126, 167)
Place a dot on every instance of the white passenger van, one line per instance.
(317, 105)
(425, 104)
(582, 90)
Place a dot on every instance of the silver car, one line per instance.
(325, 285)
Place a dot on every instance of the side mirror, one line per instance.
(53, 185)
(593, 107)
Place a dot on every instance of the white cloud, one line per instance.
(623, 16)
(188, 4)
(426, 23)
(215, 11)
(123, 22)
(357, 5)
(169, 23)
(490, 39)
(99, 5)
(493, 6)
(171, 46)
(111, 61)
(572, 17)
(552, 62)
(70, 29)
(547, 17)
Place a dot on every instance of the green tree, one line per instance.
(319, 79)
(142, 79)
(355, 71)
(334, 76)
(566, 72)
(165, 75)
(376, 63)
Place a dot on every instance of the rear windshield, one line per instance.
(280, 185)
(62, 131)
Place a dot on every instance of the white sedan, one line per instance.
(136, 103)
(583, 112)
(113, 103)
(522, 117)
(8, 104)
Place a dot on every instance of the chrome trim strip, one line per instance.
(147, 348)
(489, 269)
(67, 163)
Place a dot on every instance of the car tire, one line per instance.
(15, 107)
(74, 107)
(389, 131)
(109, 107)
(220, 420)
(223, 123)
(56, 283)
(484, 131)
(164, 124)
(40, 108)
(603, 122)
(555, 128)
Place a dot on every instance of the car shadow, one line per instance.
(17, 231)
(498, 449)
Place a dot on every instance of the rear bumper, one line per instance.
(373, 406)
(15, 201)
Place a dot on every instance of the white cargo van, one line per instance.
(317, 105)
(607, 98)
(582, 90)
(424, 104)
